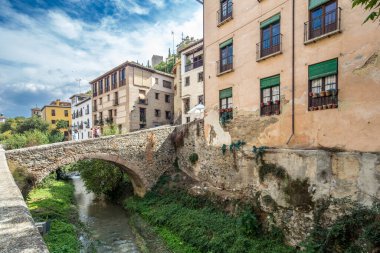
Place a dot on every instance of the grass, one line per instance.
(192, 224)
(54, 201)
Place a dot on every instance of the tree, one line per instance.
(369, 5)
(33, 123)
(62, 124)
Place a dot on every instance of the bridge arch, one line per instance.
(129, 167)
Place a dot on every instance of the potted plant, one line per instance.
(319, 107)
(262, 104)
(324, 107)
(229, 110)
(315, 94)
(329, 106)
(334, 92)
(328, 93)
(310, 94)
(221, 110)
(323, 93)
(277, 102)
(311, 108)
(315, 108)
(334, 105)
(269, 102)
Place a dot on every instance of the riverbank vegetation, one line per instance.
(54, 201)
(202, 226)
(23, 132)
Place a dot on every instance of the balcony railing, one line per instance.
(109, 120)
(143, 101)
(269, 47)
(99, 122)
(323, 26)
(270, 108)
(225, 14)
(225, 65)
(194, 65)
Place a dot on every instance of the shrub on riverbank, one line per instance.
(202, 225)
(54, 201)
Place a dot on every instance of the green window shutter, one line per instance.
(271, 20)
(316, 3)
(226, 93)
(270, 82)
(226, 43)
(323, 69)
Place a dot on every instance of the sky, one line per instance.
(46, 45)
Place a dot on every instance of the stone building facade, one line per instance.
(191, 79)
(132, 97)
(81, 108)
(177, 120)
(299, 74)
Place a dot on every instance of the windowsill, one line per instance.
(225, 21)
(326, 35)
(225, 72)
(269, 56)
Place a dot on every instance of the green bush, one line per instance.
(15, 141)
(193, 158)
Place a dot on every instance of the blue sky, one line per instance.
(46, 45)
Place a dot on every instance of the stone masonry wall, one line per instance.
(292, 183)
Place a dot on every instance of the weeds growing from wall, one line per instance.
(24, 180)
(193, 158)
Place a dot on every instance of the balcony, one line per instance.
(225, 65)
(323, 26)
(143, 101)
(270, 108)
(193, 65)
(269, 48)
(109, 121)
(99, 122)
(225, 15)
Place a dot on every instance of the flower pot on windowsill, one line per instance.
(315, 94)
(329, 106)
(311, 108)
(269, 102)
(315, 108)
(320, 107)
(334, 106)
(323, 93)
(229, 110)
(328, 93)
(277, 102)
(277, 112)
(222, 110)
(324, 107)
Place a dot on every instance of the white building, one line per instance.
(2, 118)
(192, 87)
(81, 110)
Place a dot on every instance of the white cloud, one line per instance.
(131, 6)
(50, 52)
(158, 3)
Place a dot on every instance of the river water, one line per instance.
(107, 223)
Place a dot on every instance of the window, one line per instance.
(113, 80)
(225, 12)
(53, 122)
(270, 36)
(108, 97)
(100, 101)
(142, 97)
(225, 105)
(107, 83)
(101, 87)
(323, 85)
(116, 98)
(187, 81)
(323, 18)
(157, 113)
(115, 112)
(200, 77)
(167, 84)
(122, 74)
(270, 95)
(66, 113)
(53, 112)
(94, 90)
(142, 115)
(156, 81)
(157, 95)
(167, 98)
(168, 115)
(186, 105)
(226, 57)
(187, 119)
(200, 99)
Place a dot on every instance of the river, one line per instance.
(107, 223)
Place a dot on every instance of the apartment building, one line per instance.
(191, 79)
(81, 108)
(2, 118)
(132, 97)
(36, 112)
(55, 111)
(294, 73)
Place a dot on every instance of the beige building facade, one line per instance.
(192, 87)
(177, 92)
(132, 97)
(294, 73)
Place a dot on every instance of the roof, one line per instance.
(84, 100)
(131, 64)
(190, 45)
(80, 95)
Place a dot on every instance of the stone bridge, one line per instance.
(143, 155)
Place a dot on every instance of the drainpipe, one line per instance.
(293, 69)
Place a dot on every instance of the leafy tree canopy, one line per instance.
(62, 124)
(370, 5)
